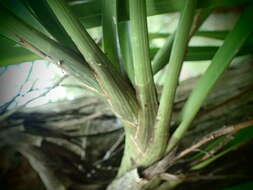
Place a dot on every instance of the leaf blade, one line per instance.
(233, 42)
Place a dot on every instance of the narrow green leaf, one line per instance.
(126, 49)
(153, 36)
(172, 74)
(12, 53)
(90, 11)
(163, 55)
(220, 35)
(47, 18)
(110, 31)
(213, 158)
(232, 44)
(202, 53)
(28, 37)
(19, 9)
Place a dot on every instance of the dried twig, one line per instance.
(214, 135)
(162, 165)
(9, 113)
(114, 147)
(6, 105)
(216, 149)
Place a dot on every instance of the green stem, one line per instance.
(136, 151)
(119, 93)
(163, 55)
(144, 83)
(172, 74)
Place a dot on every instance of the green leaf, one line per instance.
(32, 39)
(202, 53)
(126, 50)
(163, 55)
(12, 53)
(19, 9)
(90, 11)
(220, 35)
(232, 44)
(110, 31)
(47, 18)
